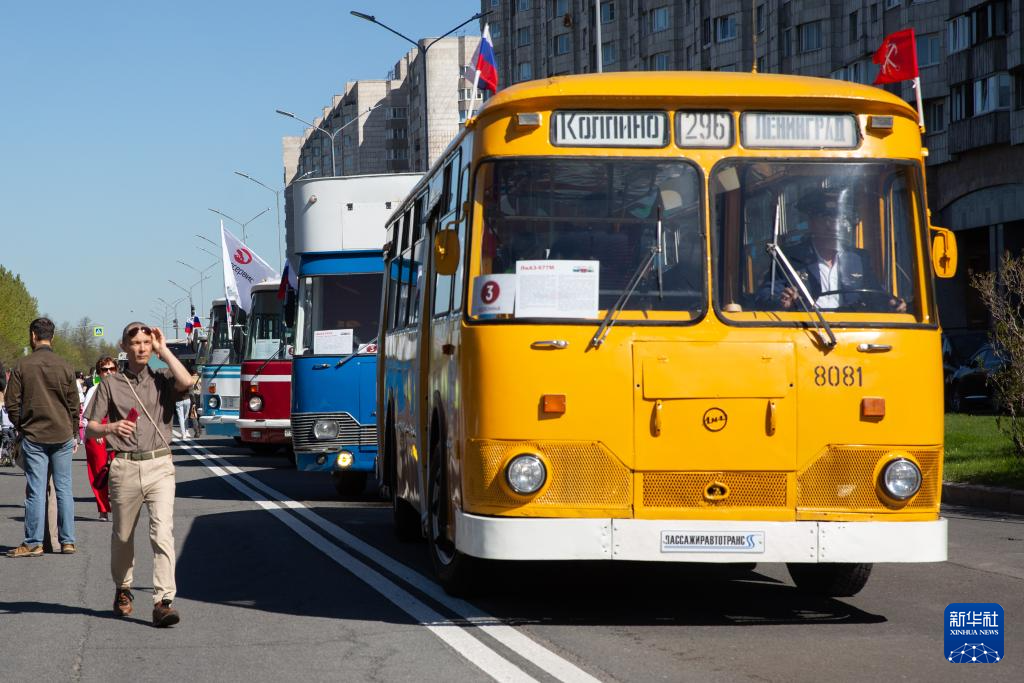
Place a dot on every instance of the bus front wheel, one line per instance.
(455, 570)
(835, 580)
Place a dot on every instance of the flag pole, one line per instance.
(920, 106)
(472, 101)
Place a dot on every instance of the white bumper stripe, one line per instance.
(502, 538)
(217, 419)
(267, 378)
(263, 424)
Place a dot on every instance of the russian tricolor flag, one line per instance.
(196, 325)
(288, 281)
(484, 63)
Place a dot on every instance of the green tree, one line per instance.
(18, 309)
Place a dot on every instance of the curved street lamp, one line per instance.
(235, 220)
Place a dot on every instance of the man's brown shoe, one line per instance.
(67, 548)
(164, 615)
(123, 602)
(26, 551)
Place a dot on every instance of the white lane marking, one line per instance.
(457, 637)
(518, 642)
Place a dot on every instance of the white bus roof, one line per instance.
(346, 213)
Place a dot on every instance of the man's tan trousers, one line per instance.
(133, 483)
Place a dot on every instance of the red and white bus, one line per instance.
(264, 421)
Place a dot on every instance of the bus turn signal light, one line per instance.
(553, 403)
(872, 406)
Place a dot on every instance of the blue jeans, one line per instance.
(39, 458)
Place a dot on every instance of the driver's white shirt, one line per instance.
(828, 279)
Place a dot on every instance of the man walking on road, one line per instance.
(42, 401)
(139, 407)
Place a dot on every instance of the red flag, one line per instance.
(897, 58)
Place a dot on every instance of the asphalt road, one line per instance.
(278, 579)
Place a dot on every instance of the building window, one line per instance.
(725, 28)
(854, 20)
(562, 44)
(707, 32)
(874, 12)
(839, 74)
(889, 4)
(929, 47)
(607, 12)
(659, 19)
(660, 61)
(396, 113)
(958, 33)
(560, 8)
(961, 106)
(524, 5)
(760, 20)
(855, 72)
(992, 93)
(989, 21)
(523, 37)
(787, 42)
(525, 71)
(495, 3)
(762, 64)
(608, 53)
(809, 36)
(495, 30)
(1018, 90)
(935, 115)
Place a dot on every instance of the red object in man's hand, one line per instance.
(133, 415)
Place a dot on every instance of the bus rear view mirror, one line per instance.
(943, 252)
(446, 251)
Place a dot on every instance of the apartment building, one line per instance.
(970, 54)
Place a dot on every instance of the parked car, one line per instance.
(969, 387)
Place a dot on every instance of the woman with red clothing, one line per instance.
(96, 457)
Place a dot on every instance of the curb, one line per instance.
(996, 498)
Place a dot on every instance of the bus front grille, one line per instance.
(350, 432)
(843, 478)
(689, 489)
(581, 475)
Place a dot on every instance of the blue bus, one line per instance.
(221, 374)
(334, 369)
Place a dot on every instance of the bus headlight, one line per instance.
(325, 429)
(255, 404)
(213, 401)
(901, 479)
(526, 473)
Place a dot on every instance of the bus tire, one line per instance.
(835, 580)
(456, 572)
(349, 484)
(404, 516)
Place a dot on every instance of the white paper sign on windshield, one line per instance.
(557, 289)
(332, 342)
(265, 348)
(494, 295)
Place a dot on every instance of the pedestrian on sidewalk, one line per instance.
(97, 458)
(42, 401)
(139, 405)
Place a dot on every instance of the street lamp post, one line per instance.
(187, 291)
(164, 316)
(202, 278)
(277, 204)
(235, 220)
(422, 49)
(334, 168)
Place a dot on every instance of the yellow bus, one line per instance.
(681, 317)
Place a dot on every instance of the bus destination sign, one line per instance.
(798, 131)
(609, 128)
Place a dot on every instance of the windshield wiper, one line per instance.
(353, 354)
(606, 324)
(806, 300)
(279, 349)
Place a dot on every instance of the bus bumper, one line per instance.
(327, 461)
(503, 538)
(265, 431)
(219, 425)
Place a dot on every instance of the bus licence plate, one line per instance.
(712, 541)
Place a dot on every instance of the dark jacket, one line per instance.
(853, 275)
(42, 397)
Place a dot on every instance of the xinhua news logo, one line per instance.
(974, 633)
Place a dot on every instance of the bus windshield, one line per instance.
(606, 211)
(338, 314)
(220, 350)
(847, 228)
(265, 332)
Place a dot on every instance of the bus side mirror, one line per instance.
(446, 250)
(237, 338)
(943, 252)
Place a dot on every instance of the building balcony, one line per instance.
(979, 131)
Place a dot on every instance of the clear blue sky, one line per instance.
(121, 122)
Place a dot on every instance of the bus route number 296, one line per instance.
(838, 376)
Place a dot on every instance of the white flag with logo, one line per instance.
(243, 268)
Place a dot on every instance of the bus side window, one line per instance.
(443, 283)
(391, 272)
(415, 262)
(457, 283)
(403, 273)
